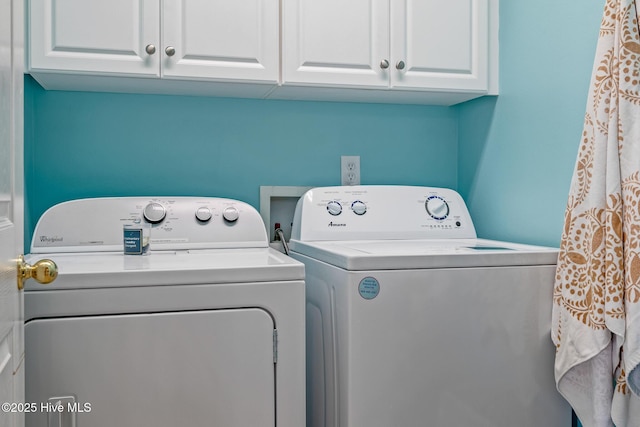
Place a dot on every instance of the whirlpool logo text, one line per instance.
(50, 239)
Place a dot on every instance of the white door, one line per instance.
(195, 368)
(115, 36)
(221, 39)
(11, 206)
(333, 42)
(440, 44)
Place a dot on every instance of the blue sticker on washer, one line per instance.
(369, 288)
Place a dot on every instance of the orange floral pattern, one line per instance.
(597, 287)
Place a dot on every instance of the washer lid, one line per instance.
(207, 266)
(359, 255)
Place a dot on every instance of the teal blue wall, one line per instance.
(510, 156)
(82, 144)
(517, 151)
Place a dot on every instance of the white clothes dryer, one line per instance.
(207, 329)
(412, 321)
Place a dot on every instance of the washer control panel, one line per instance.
(381, 212)
(177, 223)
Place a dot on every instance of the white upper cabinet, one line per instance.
(94, 36)
(219, 40)
(440, 45)
(403, 51)
(335, 42)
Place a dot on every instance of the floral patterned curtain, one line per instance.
(596, 313)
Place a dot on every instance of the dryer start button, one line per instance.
(203, 214)
(231, 214)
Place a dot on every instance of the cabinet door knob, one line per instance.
(400, 65)
(170, 51)
(150, 49)
(384, 64)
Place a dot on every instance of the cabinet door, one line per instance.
(442, 43)
(336, 42)
(218, 39)
(95, 36)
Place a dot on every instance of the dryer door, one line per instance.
(201, 368)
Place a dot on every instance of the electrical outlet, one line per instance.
(350, 170)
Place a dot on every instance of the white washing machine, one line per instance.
(205, 330)
(413, 321)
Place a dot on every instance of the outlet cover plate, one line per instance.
(350, 170)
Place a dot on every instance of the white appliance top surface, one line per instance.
(194, 240)
(359, 255)
(374, 227)
(206, 266)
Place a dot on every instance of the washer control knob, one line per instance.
(203, 214)
(154, 212)
(358, 207)
(334, 208)
(230, 214)
(437, 207)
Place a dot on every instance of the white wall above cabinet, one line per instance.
(402, 51)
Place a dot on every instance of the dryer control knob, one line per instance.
(334, 208)
(230, 214)
(359, 208)
(437, 207)
(203, 214)
(154, 212)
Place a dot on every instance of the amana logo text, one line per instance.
(336, 224)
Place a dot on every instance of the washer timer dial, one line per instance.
(359, 208)
(437, 207)
(334, 208)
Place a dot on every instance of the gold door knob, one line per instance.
(44, 271)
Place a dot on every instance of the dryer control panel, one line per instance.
(372, 212)
(177, 223)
